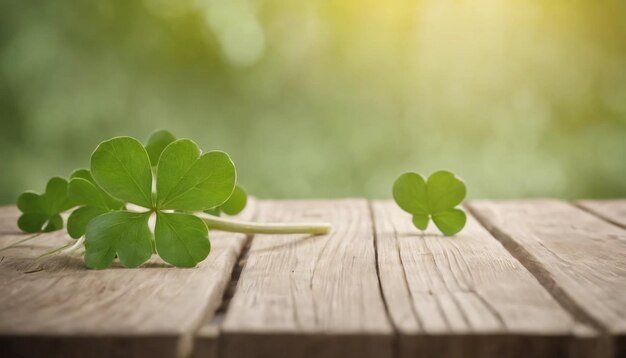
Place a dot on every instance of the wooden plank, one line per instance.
(464, 296)
(55, 307)
(580, 258)
(613, 211)
(310, 296)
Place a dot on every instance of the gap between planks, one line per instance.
(198, 331)
(613, 211)
(206, 339)
(395, 343)
(465, 296)
(485, 338)
(309, 296)
(577, 256)
(55, 307)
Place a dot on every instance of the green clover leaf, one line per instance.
(80, 218)
(434, 199)
(188, 181)
(121, 167)
(157, 143)
(234, 205)
(41, 212)
(94, 201)
(168, 178)
(181, 239)
(160, 139)
(118, 233)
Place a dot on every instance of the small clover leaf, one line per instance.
(434, 199)
(41, 212)
(121, 167)
(188, 181)
(94, 201)
(118, 233)
(156, 143)
(234, 205)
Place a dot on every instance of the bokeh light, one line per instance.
(325, 98)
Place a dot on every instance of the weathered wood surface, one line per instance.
(55, 307)
(310, 296)
(579, 257)
(613, 211)
(464, 296)
(551, 283)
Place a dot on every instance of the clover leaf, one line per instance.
(186, 181)
(168, 179)
(434, 199)
(160, 139)
(93, 201)
(123, 234)
(121, 167)
(234, 205)
(41, 212)
(181, 239)
(157, 143)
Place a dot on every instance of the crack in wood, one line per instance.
(394, 327)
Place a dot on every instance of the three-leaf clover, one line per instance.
(93, 202)
(186, 181)
(434, 199)
(41, 212)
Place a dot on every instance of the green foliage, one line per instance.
(156, 143)
(237, 200)
(234, 205)
(181, 239)
(122, 233)
(79, 218)
(41, 212)
(188, 181)
(122, 172)
(93, 202)
(434, 199)
(121, 167)
(160, 139)
(83, 190)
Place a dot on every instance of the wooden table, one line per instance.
(525, 278)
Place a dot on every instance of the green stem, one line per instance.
(79, 243)
(230, 225)
(52, 252)
(19, 242)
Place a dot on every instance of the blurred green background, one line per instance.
(325, 98)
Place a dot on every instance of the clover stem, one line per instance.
(76, 246)
(20, 242)
(54, 251)
(230, 225)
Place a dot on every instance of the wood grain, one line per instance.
(580, 258)
(613, 211)
(310, 296)
(465, 295)
(55, 307)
